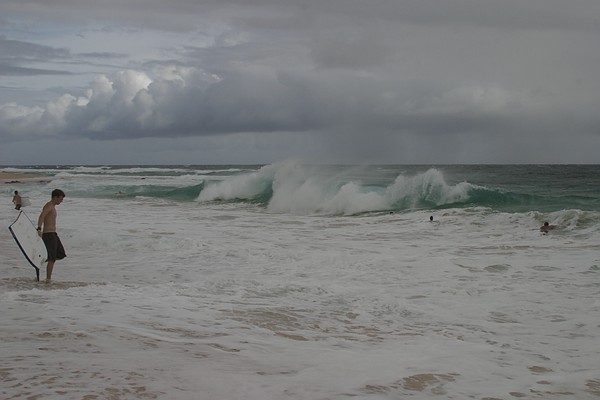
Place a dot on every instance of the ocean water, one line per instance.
(291, 281)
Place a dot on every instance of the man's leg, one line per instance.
(49, 269)
(51, 242)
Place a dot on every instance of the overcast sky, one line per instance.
(258, 81)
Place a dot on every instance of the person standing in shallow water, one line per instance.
(17, 200)
(47, 231)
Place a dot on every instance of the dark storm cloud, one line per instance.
(277, 14)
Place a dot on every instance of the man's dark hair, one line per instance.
(58, 193)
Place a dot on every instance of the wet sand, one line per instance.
(16, 177)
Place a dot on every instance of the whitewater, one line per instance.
(291, 281)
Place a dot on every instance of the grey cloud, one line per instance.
(170, 108)
(14, 54)
(354, 50)
(465, 75)
(291, 14)
(16, 50)
(506, 14)
(102, 55)
(187, 102)
(12, 70)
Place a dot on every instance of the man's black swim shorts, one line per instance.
(56, 251)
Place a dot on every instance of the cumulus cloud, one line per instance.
(181, 101)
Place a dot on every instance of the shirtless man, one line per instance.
(47, 231)
(17, 200)
(546, 227)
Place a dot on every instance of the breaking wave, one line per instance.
(299, 189)
(292, 187)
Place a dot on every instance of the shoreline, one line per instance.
(19, 177)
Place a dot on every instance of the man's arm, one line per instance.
(42, 218)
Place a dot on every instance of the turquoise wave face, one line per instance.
(523, 201)
(185, 193)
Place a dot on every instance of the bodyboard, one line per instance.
(28, 240)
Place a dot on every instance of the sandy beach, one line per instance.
(17, 177)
